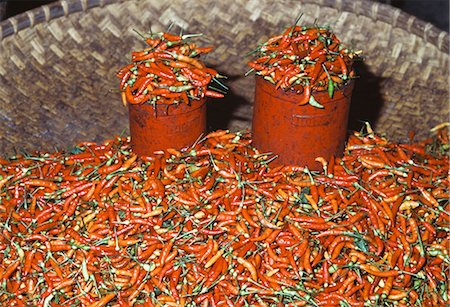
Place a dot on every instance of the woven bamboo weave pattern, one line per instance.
(58, 63)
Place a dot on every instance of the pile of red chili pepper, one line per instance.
(304, 59)
(168, 71)
(214, 225)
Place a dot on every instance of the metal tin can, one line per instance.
(158, 127)
(299, 134)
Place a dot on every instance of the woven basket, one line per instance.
(58, 63)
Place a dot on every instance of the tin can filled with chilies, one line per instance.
(165, 87)
(304, 83)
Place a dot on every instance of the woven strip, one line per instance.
(58, 63)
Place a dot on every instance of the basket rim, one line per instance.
(366, 8)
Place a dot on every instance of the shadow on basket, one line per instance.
(367, 100)
(228, 112)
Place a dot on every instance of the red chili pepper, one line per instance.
(10, 270)
(343, 65)
(209, 93)
(306, 95)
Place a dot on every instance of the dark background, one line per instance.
(433, 11)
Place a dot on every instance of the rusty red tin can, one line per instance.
(161, 126)
(299, 134)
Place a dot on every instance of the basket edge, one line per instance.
(373, 10)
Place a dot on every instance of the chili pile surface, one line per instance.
(169, 71)
(215, 226)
